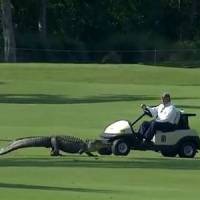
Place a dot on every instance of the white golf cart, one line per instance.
(119, 138)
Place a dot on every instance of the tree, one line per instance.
(8, 32)
(42, 27)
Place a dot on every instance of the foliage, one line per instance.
(95, 24)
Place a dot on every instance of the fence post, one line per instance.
(155, 56)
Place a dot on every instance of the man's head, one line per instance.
(166, 98)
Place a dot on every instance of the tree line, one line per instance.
(93, 25)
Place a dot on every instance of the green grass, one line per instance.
(44, 99)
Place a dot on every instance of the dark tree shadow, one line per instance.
(185, 98)
(61, 99)
(52, 188)
(149, 163)
(188, 106)
(190, 84)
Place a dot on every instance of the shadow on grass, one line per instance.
(60, 99)
(188, 106)
(145, 163)
(185, 98)
(190, 84)
(51, 188)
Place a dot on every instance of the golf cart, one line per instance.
(119, 138)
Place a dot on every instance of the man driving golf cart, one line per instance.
(174, 136)
(165, 119)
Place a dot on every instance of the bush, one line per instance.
(185, 51)
(134, 47)
(112, 57)
(32, 48)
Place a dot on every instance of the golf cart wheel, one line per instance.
(120, 148)
(169, 153)
(187, 150)
(105, 151)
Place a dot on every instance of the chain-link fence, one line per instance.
(172, 57)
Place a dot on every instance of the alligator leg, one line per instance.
(55, 148)
(90, 154)
(81, 151)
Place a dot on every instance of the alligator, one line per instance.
(65, 143)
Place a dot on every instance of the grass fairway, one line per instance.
(44, 99)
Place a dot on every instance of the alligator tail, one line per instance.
(27, 142)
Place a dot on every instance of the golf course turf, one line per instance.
(81, 100)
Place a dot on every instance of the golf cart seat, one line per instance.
(183, 122)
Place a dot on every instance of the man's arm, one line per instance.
(153, 110)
